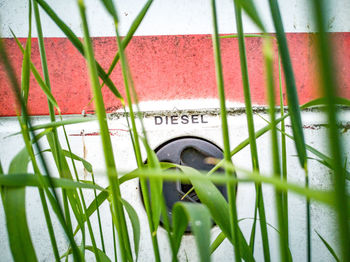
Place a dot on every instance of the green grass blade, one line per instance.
(25, 127)
(330, 88)
(95, 204)
(66, 153)
(283, 152)
(217, 242)
(326, 197)
(103, 257)
(329, 247)
(292, 96)
(58, 124)
(111, 9)
(135, 223)
(64, 172)
(13, 199)
(156, 187)
(323, 159)
(158, 205)
(16, 222)
(124, 242)
(252, 139)
(36, 74)
(218, 207)
(199, 218)
(154, 205)
(22, 180)
(84, 217)
(249, 7)
(25, 87)
(268, 56)
(260, 132)
(135, 24)
(114, 240)
(25, 80)
(224, 127)
(98, 215)
(79, 46)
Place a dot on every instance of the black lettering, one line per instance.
(166, 120)
(184, 119)
(174, 120)
(195, 119)
(202, 120)
(158, 120)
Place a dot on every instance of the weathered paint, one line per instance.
(168, 17)
(168, 68)
(171, 59)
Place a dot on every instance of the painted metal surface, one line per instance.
(168, 68)
(85, 142)
(171, 60)
(171, 57)
(168, 17)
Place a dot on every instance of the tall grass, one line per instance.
(71, 206)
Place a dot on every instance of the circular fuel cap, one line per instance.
(192, 152)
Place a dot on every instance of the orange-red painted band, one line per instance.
(166, 68)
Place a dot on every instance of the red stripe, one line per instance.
(167, 67)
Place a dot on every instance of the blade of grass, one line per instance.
(117, 207)
(283, 152)
(135, 222)
(260, 132)
(57, 124)
(153, 210)
(325, 160)
(13, 199)
(92, 236)
(26, 129)
(79, 46)
(330, 89)
(101, 254)
(268, 56)
(217, 242)
(219, 209)
(135, 24)
(292, 96)
(66, 153)
(224, 127)
(199, 218)
(159, 207)
(25, 79)
(54, 142)
(114, 240)
(98, 214)
(249, 7)
(326, 197)
(26, 179)
(36, 74)
(329, 247)
(252, 139)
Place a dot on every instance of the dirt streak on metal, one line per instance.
(232, 111)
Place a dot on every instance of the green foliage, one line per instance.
(214, 208)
